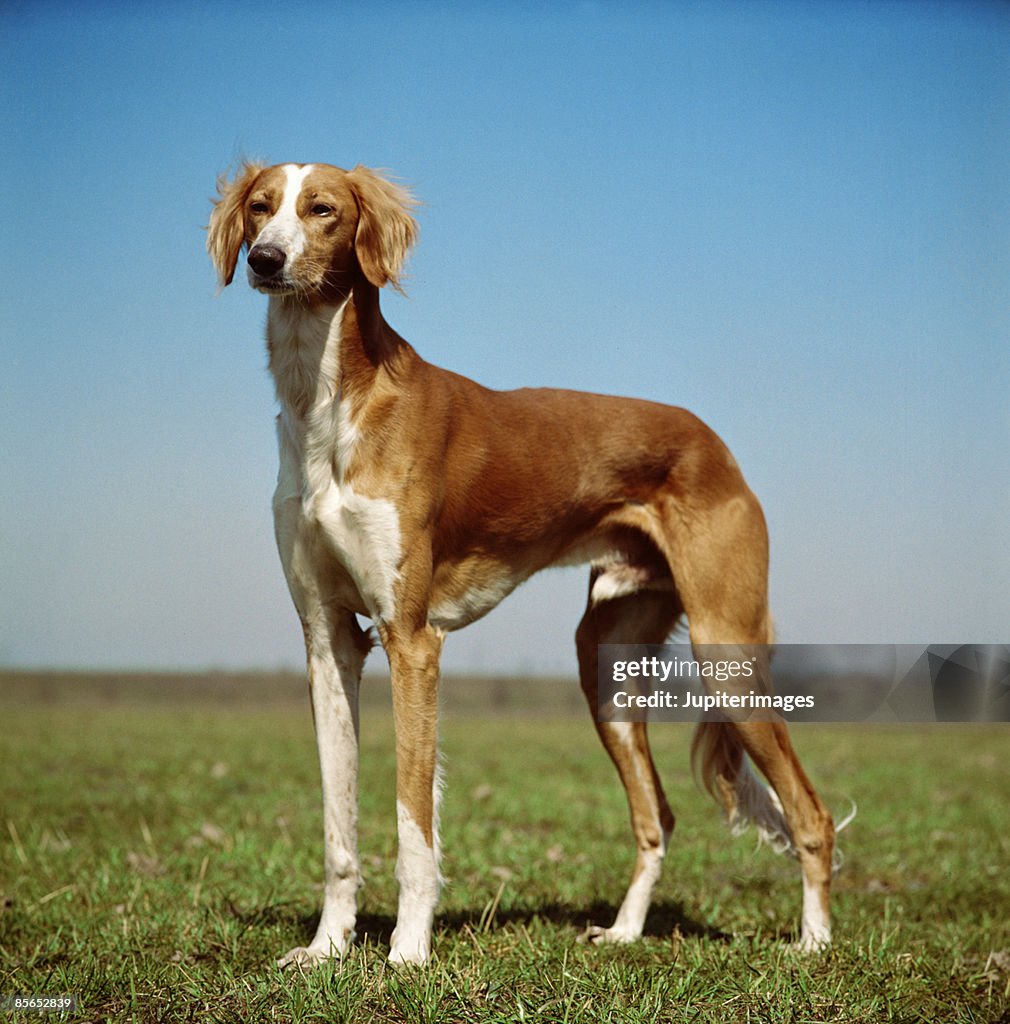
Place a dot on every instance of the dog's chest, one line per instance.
(320, 513)
(363, 534)
(321, 518)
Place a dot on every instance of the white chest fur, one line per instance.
(314, 504)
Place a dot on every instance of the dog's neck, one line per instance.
(328, 352)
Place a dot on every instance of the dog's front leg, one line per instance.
(414, 670)
(335, 647)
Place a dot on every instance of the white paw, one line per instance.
(412, 949)
(302, 956)
(597, 934)
(399, 958)
(812, 944)
(314, 954)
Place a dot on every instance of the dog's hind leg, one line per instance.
(720, 563)
(639, 617)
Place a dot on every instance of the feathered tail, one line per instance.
(719, 761)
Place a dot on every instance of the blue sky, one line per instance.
(792, 218)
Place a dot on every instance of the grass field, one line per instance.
(162, 844)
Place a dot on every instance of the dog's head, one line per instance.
(309, 229)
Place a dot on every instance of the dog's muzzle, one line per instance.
(267, 261)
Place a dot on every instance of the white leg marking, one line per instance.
(335, 676)
(630, 920)
(631, 917)
(816, 929)
(418, 875)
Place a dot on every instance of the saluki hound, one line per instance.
(414, 497)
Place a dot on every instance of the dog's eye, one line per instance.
(259, 208)
(321, 210)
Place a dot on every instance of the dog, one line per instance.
(418, 499)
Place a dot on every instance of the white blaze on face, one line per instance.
(285, 229)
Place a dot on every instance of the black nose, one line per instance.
(266, 260)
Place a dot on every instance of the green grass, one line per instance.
(157, 854)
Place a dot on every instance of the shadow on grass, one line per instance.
(664, 919)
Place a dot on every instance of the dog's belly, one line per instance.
(624, 562)
(466, 591)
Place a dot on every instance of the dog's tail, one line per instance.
(719, 762)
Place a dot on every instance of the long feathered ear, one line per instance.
(226, 231)
(386, 229)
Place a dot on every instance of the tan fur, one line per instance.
(227, 220)
(488, 488)
(386, 230)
